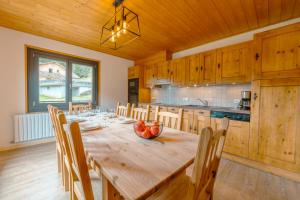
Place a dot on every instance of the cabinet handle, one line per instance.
(219, 65)
(256, 56)
(168, 71)
(255, 96)
(196, 69)
(201, 68)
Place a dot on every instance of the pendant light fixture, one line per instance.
(122, 28)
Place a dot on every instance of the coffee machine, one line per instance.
(245, 102)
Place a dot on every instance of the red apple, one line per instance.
(154, 130)
(147, 133)
(140, 126)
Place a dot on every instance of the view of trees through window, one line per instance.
(82, 81)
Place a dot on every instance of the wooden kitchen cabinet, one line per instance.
(163, 72)
(275, 119)
(194, 69)
(179, 72)
(234, 63)
(237, 137)
(187, 120)
(152, 113)
(201, 120)
(202, 68)
(133, 72)
(277, 53)
(138, 72)
(150, 74)
(208, 67)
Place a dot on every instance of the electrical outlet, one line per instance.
(236, 101)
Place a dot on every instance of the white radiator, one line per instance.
(32, 127)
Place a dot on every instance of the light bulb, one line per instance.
(113, 38)
(124, 27)
(118, 31)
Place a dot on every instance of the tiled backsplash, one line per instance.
(225, 95)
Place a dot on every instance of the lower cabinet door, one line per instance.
(237, 137)
(275, 118)
(201, 120)
(187, 120)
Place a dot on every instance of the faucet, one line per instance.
(204, 102)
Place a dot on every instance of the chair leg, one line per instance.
(66, 178)
(63, 172)
(71, 187)
(58, 161)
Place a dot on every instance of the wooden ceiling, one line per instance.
(168, 24)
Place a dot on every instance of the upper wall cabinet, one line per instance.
(194, 69)
(179, 72)
(202, 68)
(277, 53)
(150, 74)
(163, 72)
(234, 63)
(208, 67)
(133, 72)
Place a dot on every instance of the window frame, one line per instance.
(33, 103)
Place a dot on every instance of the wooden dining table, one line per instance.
(133, 167)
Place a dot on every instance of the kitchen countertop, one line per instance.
(211, 108)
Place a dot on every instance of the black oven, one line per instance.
(133, 91)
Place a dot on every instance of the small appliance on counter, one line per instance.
(245, 102)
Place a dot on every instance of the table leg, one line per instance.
(108, 191)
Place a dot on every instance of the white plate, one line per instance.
(77, 120)
(89, 126)
(127, 121)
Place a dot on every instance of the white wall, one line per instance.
(230, 40)
(12, 75)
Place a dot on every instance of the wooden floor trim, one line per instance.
(27, 144)
(264, 167)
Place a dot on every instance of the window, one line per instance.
(58, 79)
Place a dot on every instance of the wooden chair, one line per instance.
(169, 119)
(206, 164)
(140, 113)
(67, 159)
(53, 111)
(76, 108)
(85, 186)
(123, 111)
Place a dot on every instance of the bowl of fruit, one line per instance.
(147, 130)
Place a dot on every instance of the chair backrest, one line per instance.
(122, 111)
(140, 113)
(208, 157)
(169, 119)
(76, 108)
(61, 120)
(53, 112)
(79, 164)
